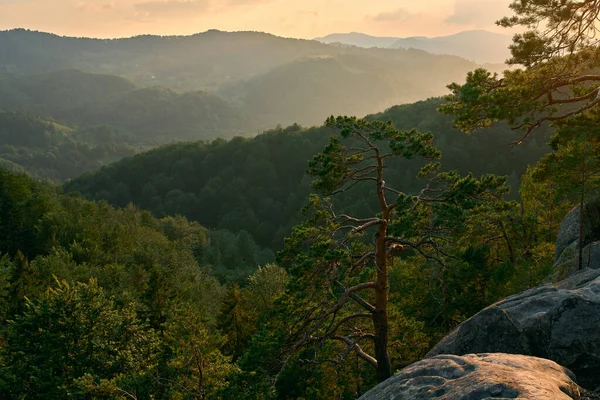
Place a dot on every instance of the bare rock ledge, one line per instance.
(479, 377)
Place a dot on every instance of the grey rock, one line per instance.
(568, 232)
(476, 377)
(558, 322)
(591, 256)
(568, 262)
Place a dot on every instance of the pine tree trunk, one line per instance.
(581, 232)
(380, 315)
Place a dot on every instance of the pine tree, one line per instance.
(340, 263)
(233, 322)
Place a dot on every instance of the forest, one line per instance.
(185, 292)
(192, 229)
(259, 184)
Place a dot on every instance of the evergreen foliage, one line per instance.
(104, 303)
(49, 150)
(259, 185)
(148, 115)
(75, 342)
(99, 302)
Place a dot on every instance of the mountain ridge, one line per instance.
(479, 45)
(279, 80)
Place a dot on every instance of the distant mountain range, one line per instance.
(478, 45)
(359, 39)
(213, 83)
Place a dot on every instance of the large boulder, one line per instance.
(478, 376)
(558, 322)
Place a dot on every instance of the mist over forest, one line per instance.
(241, 215)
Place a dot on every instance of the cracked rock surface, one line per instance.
(477, 377)
(567, 242)
(557, 322)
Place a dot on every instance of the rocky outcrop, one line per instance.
(557, 322)
(478, 376)
(568, 233)
(567, 242)
(568, 261)
(591, 255)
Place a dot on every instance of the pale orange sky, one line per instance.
(289, 18)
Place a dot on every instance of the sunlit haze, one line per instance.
(290, 18)
(299, 199)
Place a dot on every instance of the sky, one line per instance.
(289, 18)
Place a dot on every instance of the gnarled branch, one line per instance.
(358, 350)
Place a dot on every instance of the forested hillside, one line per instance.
(351, 82)
(172, 285)
(197, 62)
(150, 115)
(50, 150)
(201, 319)
(134, 296)
(59, 125)
(259, 185)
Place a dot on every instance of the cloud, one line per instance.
(13, 3)
(247, 2)
(399, 15)
(91, 6)
(477, 12)
(172, 6)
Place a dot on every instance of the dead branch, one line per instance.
(358, 350)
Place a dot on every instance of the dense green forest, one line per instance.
(194, 315)
(59, 125)
(303, 263)
(116, 98)
(259, 185)
(53, 151)
(203, 313)
(199, 308)
(132, 319)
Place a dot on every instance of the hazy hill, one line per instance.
(358, 82)
(49, 150)
(59, 125)
(278, 80)
(478, 45)
(58, 92)
(358, 39)
(197, 62)
(152, 115)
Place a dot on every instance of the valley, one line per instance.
(241, 215)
